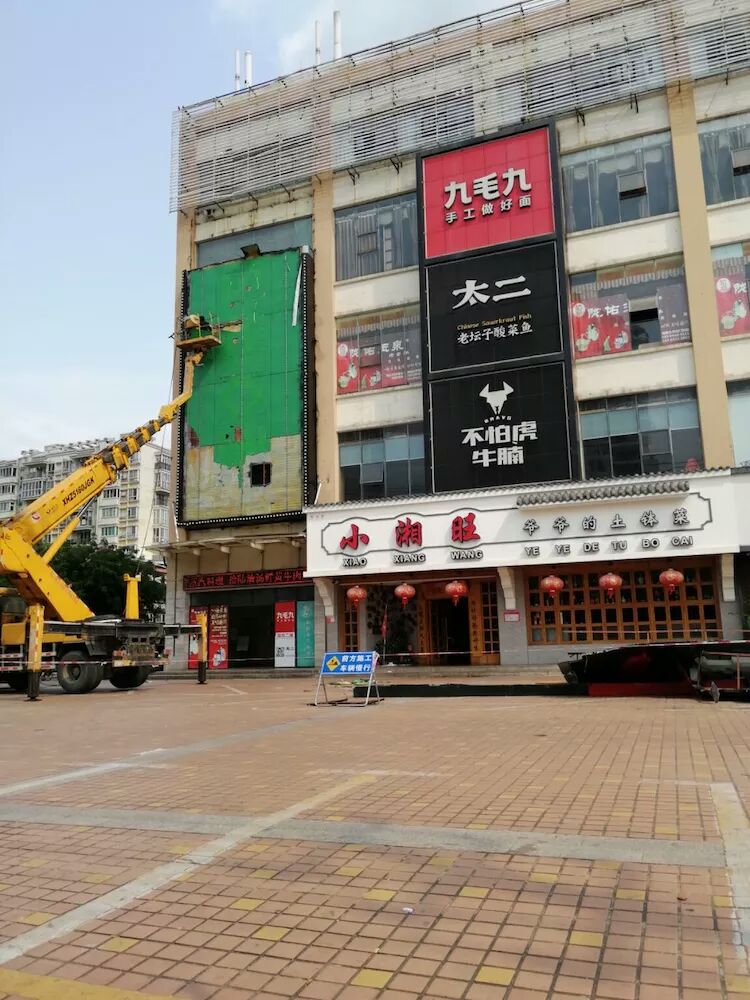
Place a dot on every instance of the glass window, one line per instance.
(282, 236)
(628, 180)
(386, 462)
(655, 432)
(379, 236)
(731, 282)
(378, 351)
(739, 417)
(623, 308)
(725, 149)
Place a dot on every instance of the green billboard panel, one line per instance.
(245, 435)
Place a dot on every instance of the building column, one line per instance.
(704, 320)
(325, 338)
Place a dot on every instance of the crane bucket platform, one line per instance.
(197, 335)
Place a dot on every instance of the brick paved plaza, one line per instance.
(230, 841)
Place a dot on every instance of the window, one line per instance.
(739, 418)
(490, 625)
(641, 611)
(351, 627)
(6, 471)
(731, 281)
(111, 493)
(260, 474)
(282, 236)
(132, 513)
(627, 180)
(630, 306)
(131, 532)
(33, 488)
(7, 506)
(7, 488)
(380, 236)
(131, 496)
(378, 351)
(159, 536)
(647, 432)
(161, 481)
(725, 155)
(108, 512)
(109, 531)
(386, 462)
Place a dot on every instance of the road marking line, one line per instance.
(734, 827)
(33, 987)
(236, 690)
(66, 923)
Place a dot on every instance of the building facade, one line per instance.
(529, 333)
(132, 513)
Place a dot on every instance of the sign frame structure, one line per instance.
(307, 389)
(565, 355)
(354, 665)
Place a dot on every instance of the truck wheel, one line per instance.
(16, 681)
(75, 674)
(129, 677)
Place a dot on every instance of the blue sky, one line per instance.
(86, 238)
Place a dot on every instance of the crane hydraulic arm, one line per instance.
(31, 573)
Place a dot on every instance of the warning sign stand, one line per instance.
(349, 665)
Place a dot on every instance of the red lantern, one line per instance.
(610, 582)
(671, 579)
(356, 594)
(552, 585)
(404, 592)
(456, 589)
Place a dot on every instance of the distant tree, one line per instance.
(95, 572)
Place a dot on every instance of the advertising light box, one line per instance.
(500, 429)
(493, 308)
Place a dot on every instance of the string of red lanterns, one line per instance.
(610, 583)
(356, 594)
(552, 585)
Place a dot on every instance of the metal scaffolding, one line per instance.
(533, 60)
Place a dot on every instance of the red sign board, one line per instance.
(218, 637)
(488, 193)
(194, 643)
(261, 578)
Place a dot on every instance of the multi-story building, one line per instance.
(132, 513)
(530, 334)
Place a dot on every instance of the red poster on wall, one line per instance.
(194, 640)
(488, 193)
(347, 366)
(600, 325)
(218, 637)
(733, 304)
(285, 638)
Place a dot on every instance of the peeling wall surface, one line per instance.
(246, 410)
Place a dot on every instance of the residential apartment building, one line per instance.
(527, 240)
(132, 513)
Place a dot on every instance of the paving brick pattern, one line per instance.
(271, 917)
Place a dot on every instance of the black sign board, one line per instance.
(491, 309)
(500, 429)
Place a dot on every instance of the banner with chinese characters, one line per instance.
(600, 325)
(732, 298)
(500, 429)
(285, 631)
(667, 516)
(218, 637)
(488, 193)
(492, 308)
(249, 578)
(194, 640)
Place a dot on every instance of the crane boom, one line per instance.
(30, 573)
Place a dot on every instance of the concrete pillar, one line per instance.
(325, 337)
(704, 320)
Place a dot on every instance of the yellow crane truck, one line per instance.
(44, 625)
